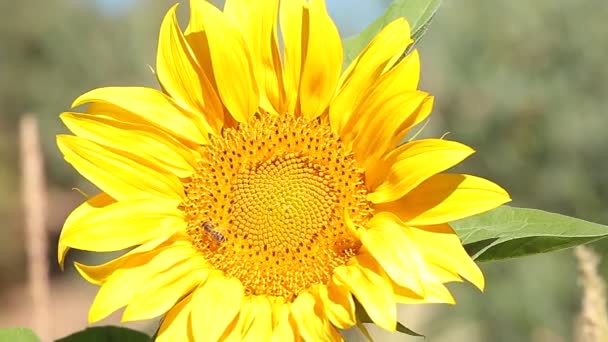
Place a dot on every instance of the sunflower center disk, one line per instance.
(267, 204)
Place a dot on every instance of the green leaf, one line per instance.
(508, 232)
(405, 330)
(418, 13)
(18, 335)
(107, 334)
(363, 317)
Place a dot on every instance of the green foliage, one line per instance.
(405, 330)
(107, 334)
(509, 232)
(18, 335)
(418, 13)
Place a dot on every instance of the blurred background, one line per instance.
(525, 84)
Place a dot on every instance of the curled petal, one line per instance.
(123, 177)
(229, 57)
(149, 105)
(445, 198)
(122, 225)
(99, 201)
(372, 290)
(123, 285)
(411, 164)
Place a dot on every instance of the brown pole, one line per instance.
(34, 203)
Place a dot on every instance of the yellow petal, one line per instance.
(123, 224)
(381, 118)
(386, 47)
(285, 329)
(276, 303)
(307, 311)
(416, 117)
(183, 78)
(402, 77)
(256, 319)
(123, 285)
(395, 251)
(401, 244)
(411, 164)
(339, 305)
(175, 326)
(161, 292)
(247, 315)
(435, 292)
(360, 74)
(443, 274)
(323, 61)
(122, 177)
(446, 197)
(113, 112)
(152, 106)
(392, 86)
(371, 289)
(216, 303)
(99, 201)
(257, 21)
(232, 333)
(147, 142)
(199, 45)
(406, 73)
(229, 57)
(138, 256)
(441, 246)
(291, 16)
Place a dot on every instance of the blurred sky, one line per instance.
(342, 11)
(115, 6)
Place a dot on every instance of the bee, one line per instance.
(213, 233)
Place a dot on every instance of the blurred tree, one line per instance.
(51, 52)
(525, 84)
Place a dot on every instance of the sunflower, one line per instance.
(264, 193)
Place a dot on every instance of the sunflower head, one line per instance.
(263, 190)
(274, 191)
